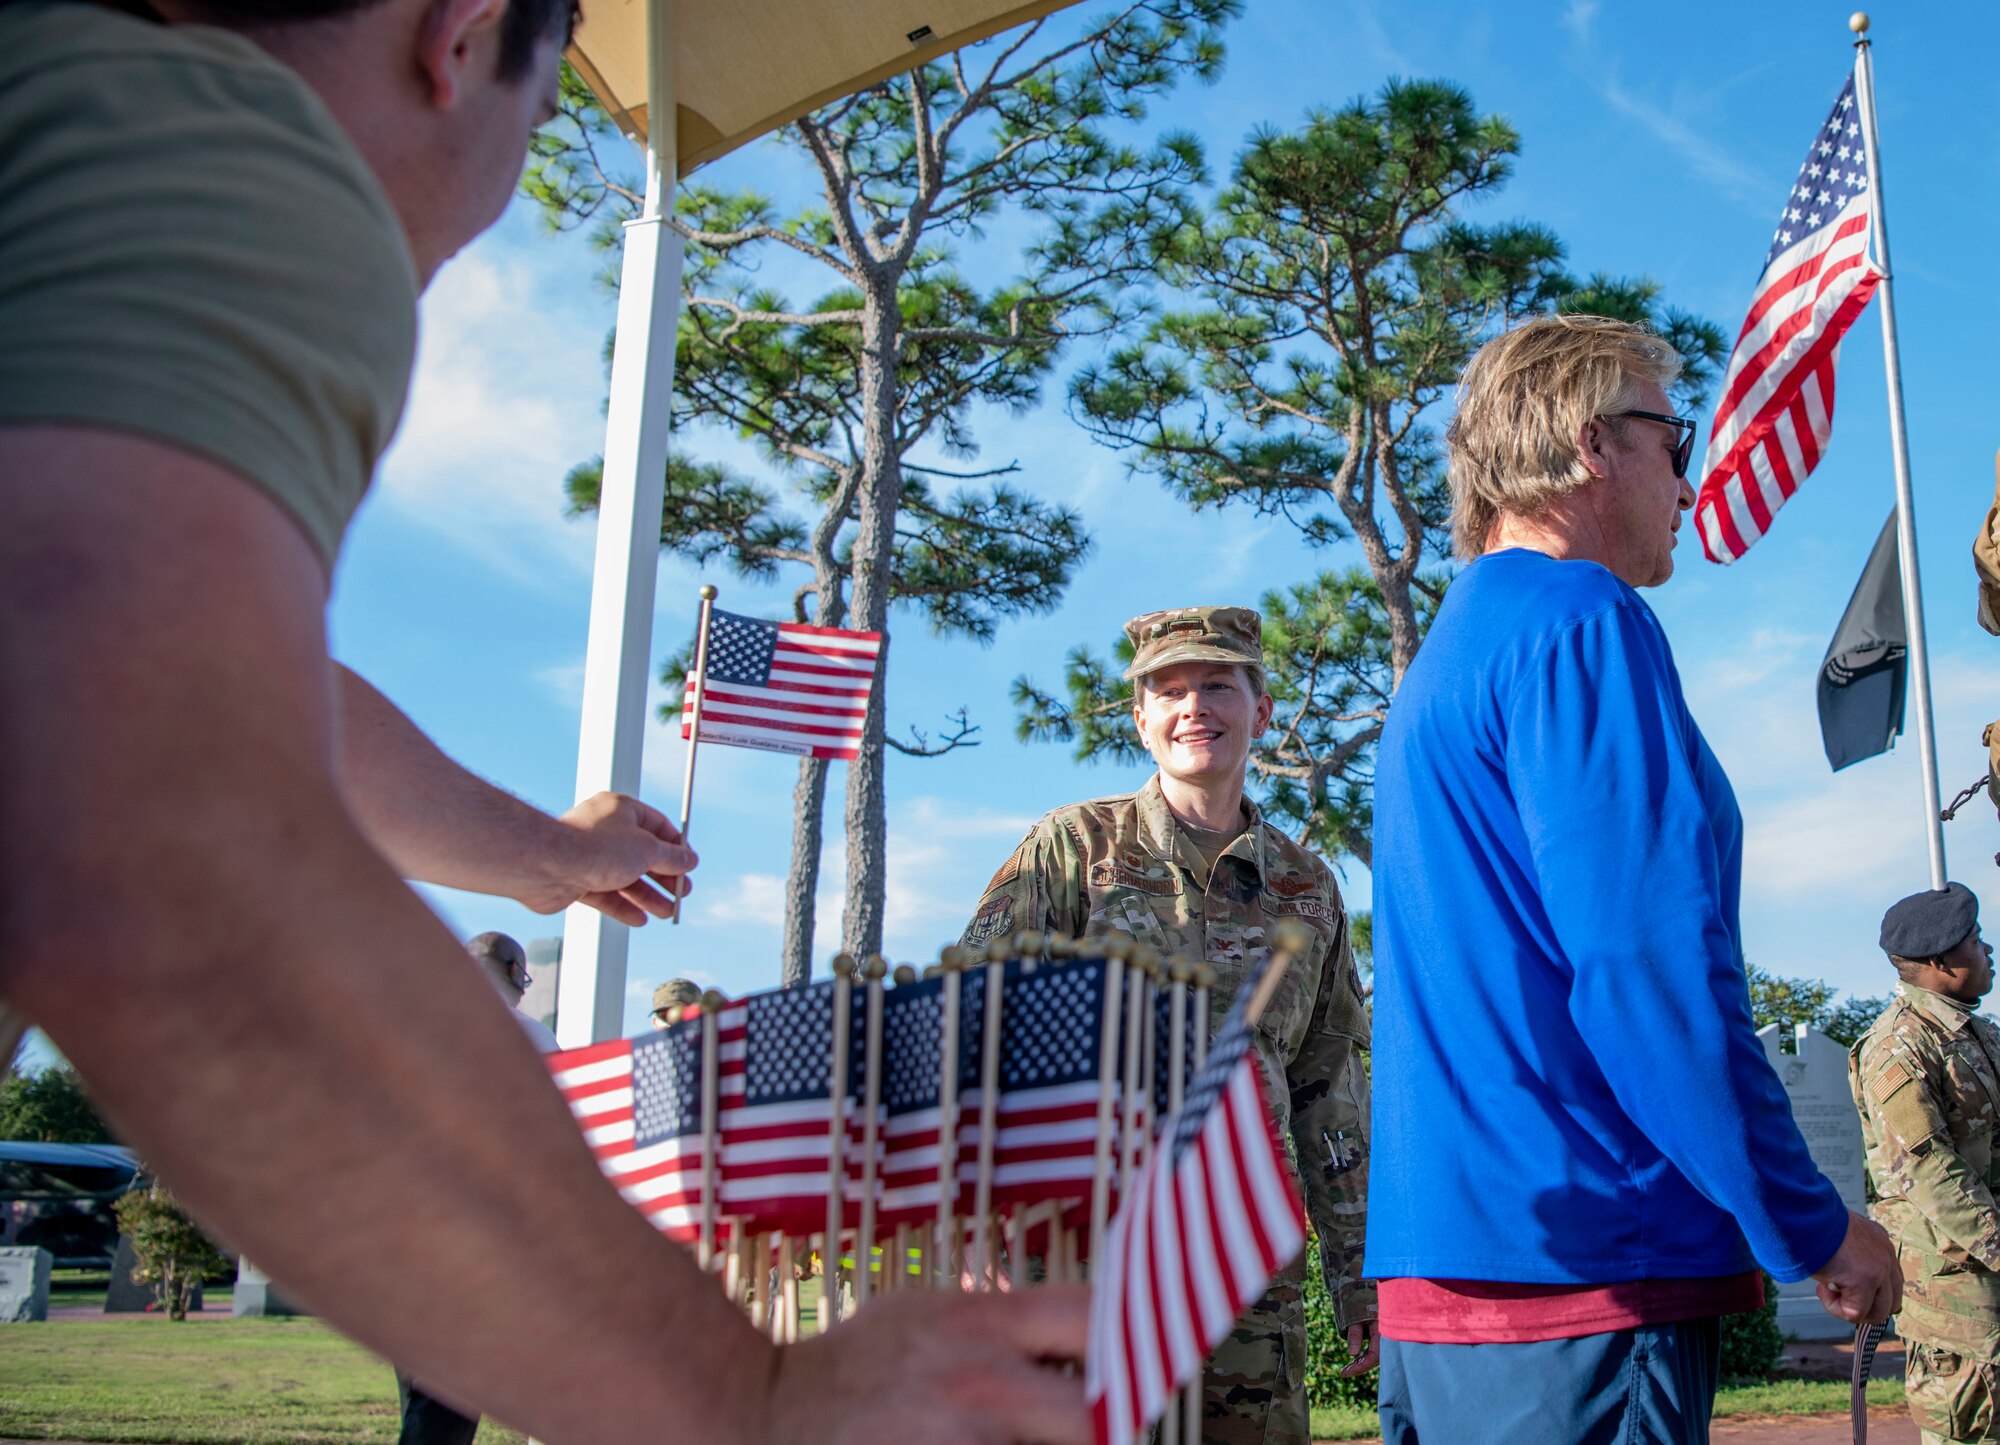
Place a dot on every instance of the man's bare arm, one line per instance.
(289, 1036)
(436, 821)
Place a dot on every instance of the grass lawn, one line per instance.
(255, 1381)
(296, 1382)
(1786, 1397)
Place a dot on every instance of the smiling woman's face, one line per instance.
(1198, 720)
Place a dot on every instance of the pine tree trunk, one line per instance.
(802, 882)
(875, 535)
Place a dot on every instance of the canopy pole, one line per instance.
(1906, 513)
(617, 667)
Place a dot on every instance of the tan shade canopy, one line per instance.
(745, 67)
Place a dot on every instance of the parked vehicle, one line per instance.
(58, 1197)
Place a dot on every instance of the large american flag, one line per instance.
(639, 1104)
(1211, 1218)
(1776, 411)
(783, 686)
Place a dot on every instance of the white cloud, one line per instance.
(1825, 853)
(504, 401)
(562, 682)
(1711, 158)
(1579, 18)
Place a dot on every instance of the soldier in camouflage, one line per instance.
(1188, 864)
(1926, 1078)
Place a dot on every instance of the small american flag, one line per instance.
(783, 686)
(776, 1109)
(912, 1060)
(1046, 1121)
(1212, 1217)
(639, 1104)
(1776, 411)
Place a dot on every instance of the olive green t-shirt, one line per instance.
(193, 250)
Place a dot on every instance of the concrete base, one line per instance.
(256, 1296)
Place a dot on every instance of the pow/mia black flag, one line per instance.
(1862, 680)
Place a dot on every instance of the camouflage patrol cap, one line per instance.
(1195, 634)
(676, 993)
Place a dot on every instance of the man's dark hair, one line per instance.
(525, 25)
(1906, 968)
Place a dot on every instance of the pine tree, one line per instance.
(1339, 291)
(893, 356)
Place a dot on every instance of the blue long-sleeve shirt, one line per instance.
(1568, 1086)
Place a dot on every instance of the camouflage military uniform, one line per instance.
(1123, 863)
(1926, 1078)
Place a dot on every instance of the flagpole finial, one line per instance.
(707, 593)
(1858, 22)
(904, 975)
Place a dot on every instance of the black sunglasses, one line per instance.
(1684, 450)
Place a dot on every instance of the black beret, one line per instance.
(1929, 923)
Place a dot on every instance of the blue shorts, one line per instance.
(1654, 1385)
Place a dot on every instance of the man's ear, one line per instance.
(1593, 439)
(457, 35)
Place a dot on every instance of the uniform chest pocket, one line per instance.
(1973, 1112)
(1144, 916)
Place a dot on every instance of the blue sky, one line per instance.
(1655, 141)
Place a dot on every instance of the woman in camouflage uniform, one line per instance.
(1188, 864)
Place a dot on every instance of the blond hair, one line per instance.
(1523, 401)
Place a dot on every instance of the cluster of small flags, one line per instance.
(909, 1112)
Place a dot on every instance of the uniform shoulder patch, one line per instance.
(1888, 1080)
(1010, 870)
(1905, 1111)
(994, 919)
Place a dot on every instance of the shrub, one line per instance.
(1751, 1343)
(1326, 1350)
(174, 1255)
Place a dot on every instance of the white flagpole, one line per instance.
(1906, 516)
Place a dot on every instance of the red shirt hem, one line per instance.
(1497, 1312)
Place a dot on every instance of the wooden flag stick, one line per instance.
(871, 1070)
(1288, 940)
(785, 1298)
(945, 1259)
(836, 1140)
(1204, 980)
(1149, 1034)
(1128, 1128)
(694, 720)
(989, 1114)
(711, 1124)
(1183, 1410)
(1117, 948)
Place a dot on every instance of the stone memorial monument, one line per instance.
(1815, 1079)
(544, 968)
(128, 1296)
(24, 1285)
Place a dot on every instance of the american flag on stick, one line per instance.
(1211, 1217)
(784, 687)
(1776, 410)
(1051, 1027)
(639, 1104)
